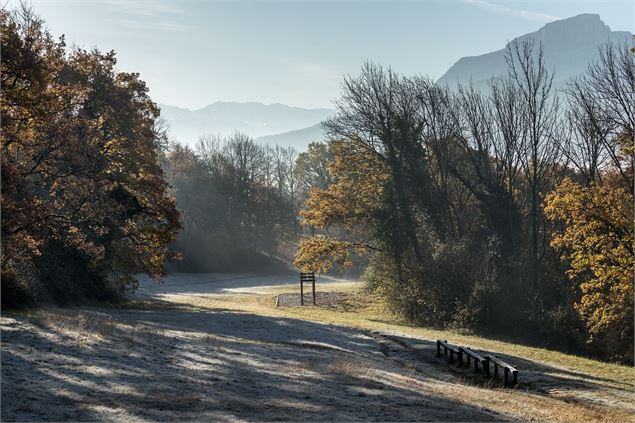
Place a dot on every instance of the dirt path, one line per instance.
(176, 364)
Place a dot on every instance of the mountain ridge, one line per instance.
(224, 117)
(298, 139)
(569, 45)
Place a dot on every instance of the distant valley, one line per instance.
(294, 126)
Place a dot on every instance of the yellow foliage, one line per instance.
(319, 254)
(598, 241)
(359, 181)
(349, 202)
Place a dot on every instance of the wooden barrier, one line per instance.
(447, 347)
(507, 369)
(484, 360)
(469, 354)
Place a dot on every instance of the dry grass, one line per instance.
(347, 367)
(567, 403)
(367, 311)
(87, 327)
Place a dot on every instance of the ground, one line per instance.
(216, 348)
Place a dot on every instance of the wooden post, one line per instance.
(506, 371)
(438, 348)
(313, 289)
(301, 291)
(486, 366)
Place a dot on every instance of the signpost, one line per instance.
(307, 277)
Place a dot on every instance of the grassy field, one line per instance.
(367, 311)
(234, 355)
(554, 386)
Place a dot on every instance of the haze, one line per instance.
(193, 53)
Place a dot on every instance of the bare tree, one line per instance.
(541, 110)
(380, 108)
(585, 143)
(608, 103)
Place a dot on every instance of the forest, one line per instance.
(506, 212)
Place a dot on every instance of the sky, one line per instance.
(194, 52)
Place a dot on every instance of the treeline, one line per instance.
(85, 205)
(93, 192)
(239, 201)
(507, 211)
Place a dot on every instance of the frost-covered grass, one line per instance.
(232, 355)
(365, 310)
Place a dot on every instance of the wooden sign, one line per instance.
(307, 277)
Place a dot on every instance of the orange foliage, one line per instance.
(80, 160)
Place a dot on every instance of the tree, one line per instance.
(534, 83)
(381, 111)
(605, 93)
(596, 218)
(237, 202)
(597, 238)
(80, 160)
(312, 167)
(346, 206)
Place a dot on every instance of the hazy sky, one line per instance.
(195, 52)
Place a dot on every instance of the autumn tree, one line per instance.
(598, 242)
(85, 205)
(312, 166)
(596, 216)
(343, 210)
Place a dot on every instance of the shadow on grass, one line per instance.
(534, 376)
(174, 364)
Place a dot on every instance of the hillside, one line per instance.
(298, 139)
(569, 45)
(255, 119)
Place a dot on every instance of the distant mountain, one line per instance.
(298, 139)
(254, 119)
(569, 45)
